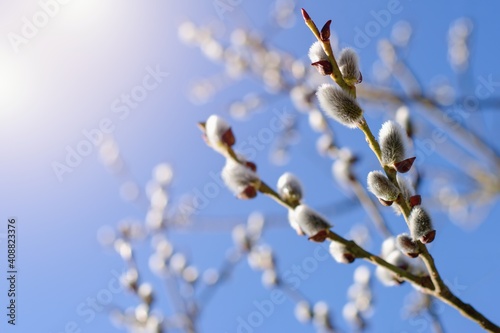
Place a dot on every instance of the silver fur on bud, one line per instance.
(386, 276)
(293, 223)
(216, 128)
(309, 221)
(404, 120)
(349, 65)
(421, 225)
(316, 52)
(342, 167)
(238, 177)
(289, 187)
(339, 105)
(381, 186)
(407, 189)
(406, 245)
(340, 253)
(393, 142)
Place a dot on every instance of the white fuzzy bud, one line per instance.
(349, 65)
(404, 120)
(303, 312)
(240, 179)
(241, 238)
(421, 225)
(381, 186)
(269, 278)
(387, 277)
(388, 246)
(340, 253)
(321, 315)
(351, 313)
(407, 189)
(406, 245)
(293, 223)
(393, 143)
(342, 167)
(309, 221)
(146, 293)
(218, 133)
(362, 275)
(129, 279)
(339, 105)
(325, 145)
(316, 52)
(316, 121)
(289, 187)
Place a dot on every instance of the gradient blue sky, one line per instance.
(66, 79)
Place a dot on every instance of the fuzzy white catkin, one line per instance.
(238, 177)
(362, 275)
(407, 189)
(303, 312)
(293, 223)
(381, 186)
(406, 245)
(350, 312)
(387, 277)
(349, 65)
(388, 246)
(215, 127)
(316, 52)
(420, 223)
(342, 168)
(393, 142)
(339, 105)
(309, 220)
(339, 252)
(316, 121)
(289, 187)
(403, 118)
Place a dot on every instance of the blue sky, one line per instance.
(68, 78)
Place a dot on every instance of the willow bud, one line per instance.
(340, 253)
(310, 222)
(293, 223)
(404, 120)
(407, 246)
(316, 52)
(240, 179)
(339, 105)
(393, 143)
(381, 186)
(421, 225)
(349, 66)
(303, 312)
(289, 188)
(319, 59)
(218, 133)
(386, 276)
